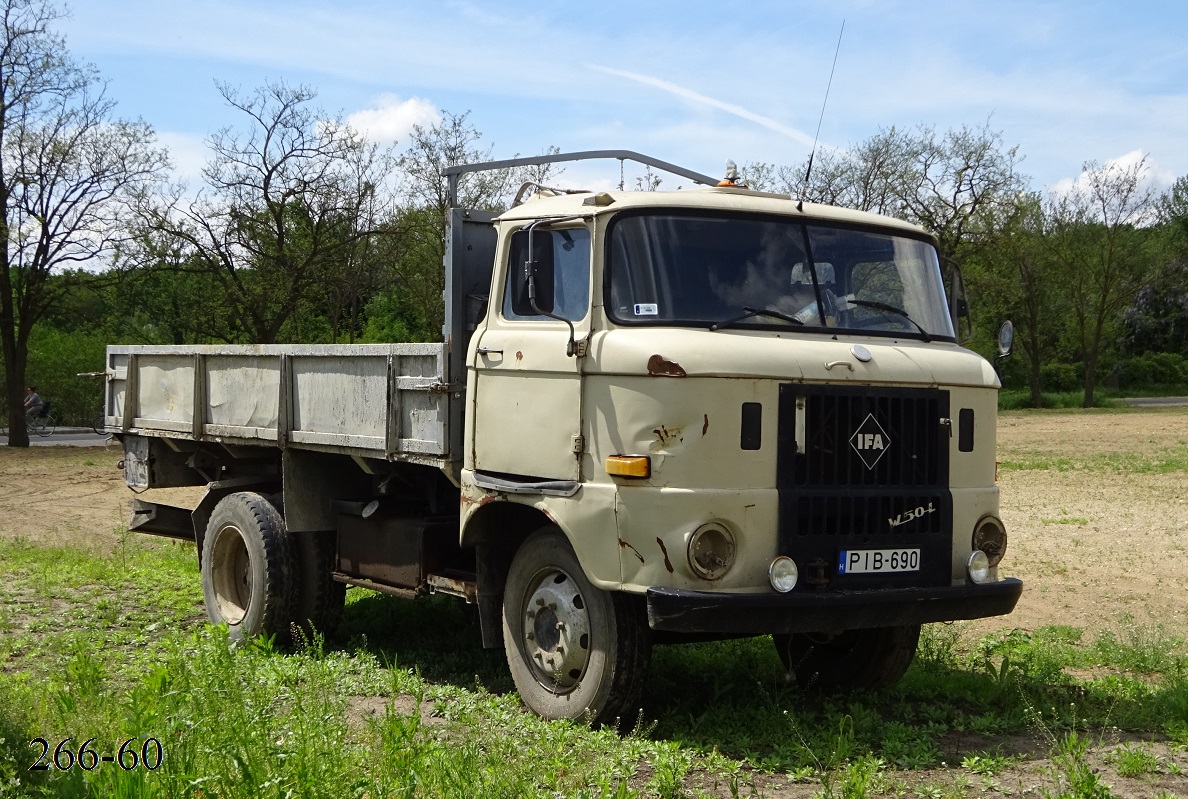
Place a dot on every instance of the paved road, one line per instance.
(66, 437)
(1156, 402)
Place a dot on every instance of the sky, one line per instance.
(692, 83)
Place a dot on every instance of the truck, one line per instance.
(653, 417)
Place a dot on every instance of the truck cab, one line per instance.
(749, 415)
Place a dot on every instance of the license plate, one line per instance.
(878, 561)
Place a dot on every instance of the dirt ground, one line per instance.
(1094, 547)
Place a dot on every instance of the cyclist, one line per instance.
(33, 403)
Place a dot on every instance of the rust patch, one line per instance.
(705, 426)
(664, 549)
(659, 367)
(486, 500)
(624, 545)
(519, 355)
(665, 436)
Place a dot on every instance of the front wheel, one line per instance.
(575, 652)
(42, 425)
(855, 659)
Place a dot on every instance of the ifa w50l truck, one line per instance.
(653, 417)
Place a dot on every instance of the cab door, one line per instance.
(528, 390)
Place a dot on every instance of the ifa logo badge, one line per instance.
(870, 441)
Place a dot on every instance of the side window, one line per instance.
(562, 255)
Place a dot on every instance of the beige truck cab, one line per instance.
(664, 416)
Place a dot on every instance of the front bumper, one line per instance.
(680, 610)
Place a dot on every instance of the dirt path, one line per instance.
(1094, 545)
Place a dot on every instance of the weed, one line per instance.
(855, 780)
(1076, 778)
(1134, 761)
(986, 765)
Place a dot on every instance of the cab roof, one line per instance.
(714, 198)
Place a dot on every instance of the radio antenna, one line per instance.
(808, 170)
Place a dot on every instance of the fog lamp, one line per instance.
(783, 574)
(711, 551)
(990, 537)
(978, 567)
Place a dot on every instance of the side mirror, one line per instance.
(1006, 338)
(532, 280)
(959, 306)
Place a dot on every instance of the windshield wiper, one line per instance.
(755, 312)
(882, 306)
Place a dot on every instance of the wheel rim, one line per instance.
(231, 574)
(556, 631)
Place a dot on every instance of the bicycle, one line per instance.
(41, 423)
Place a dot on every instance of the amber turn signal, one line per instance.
(629, 466)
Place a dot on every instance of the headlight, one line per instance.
(711, 551)
(783, 574)
(978, 567)
(990, 537)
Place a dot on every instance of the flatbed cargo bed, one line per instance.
(387, 401)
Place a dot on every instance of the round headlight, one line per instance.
(978, 567)
(711, 551)
(990, 537)
(783, 574)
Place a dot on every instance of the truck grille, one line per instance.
(864, 467)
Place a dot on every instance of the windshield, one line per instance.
(732, 270)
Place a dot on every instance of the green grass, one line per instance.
(1163, 461)
(404, 703)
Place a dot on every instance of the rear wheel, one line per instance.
(248, 568)
(574, 651)
(320, 598)
(855, 659)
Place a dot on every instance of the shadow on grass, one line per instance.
(734, 698)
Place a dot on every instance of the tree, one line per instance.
(1102, 255)
(285, 207)
(1014, 276)
(69, 175)
(948, 184)
(450, 142)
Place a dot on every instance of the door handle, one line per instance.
(488, 351)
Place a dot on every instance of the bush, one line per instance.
(1153, 369)
(1060, 377)
(55, 359)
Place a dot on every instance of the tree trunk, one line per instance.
(1037, 394)
(1090, 382)
(15, 357)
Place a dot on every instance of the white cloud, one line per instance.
(1154, 177)
(392, 119)
(701, 99)
(187, 153)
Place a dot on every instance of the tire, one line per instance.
(98, 424)
(46, 426)
(320, 598)
(248, 568)
(855, 659)
(593, 666)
